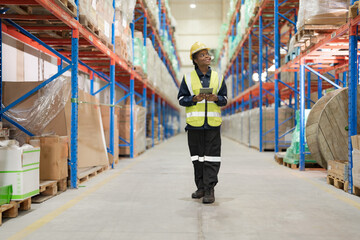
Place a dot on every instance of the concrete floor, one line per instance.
(149, 198)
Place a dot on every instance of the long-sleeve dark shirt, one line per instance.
(186, 99)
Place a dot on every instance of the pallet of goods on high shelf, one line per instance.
(318, 18)
(123, 39)
(140, 55)
(153, 12)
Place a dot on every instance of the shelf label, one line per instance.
(333, 35)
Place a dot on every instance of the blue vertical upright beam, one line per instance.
(277, 66)
(260, 82)
(112, 93)
(352, 102)
(242, 69)
(250, 60)
(159, 119)
(233, 81)
(319, 87)
(308, 103)
(92, 83)
(132, 94)
(302, 117)
(74, 107)
(152, 118)
(337, 80)
(237, 75)
(267, 62)
(164, 118)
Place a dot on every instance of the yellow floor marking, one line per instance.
(330, 191)
(52, 215)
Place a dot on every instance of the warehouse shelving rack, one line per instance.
(316, 60)
(83, 51)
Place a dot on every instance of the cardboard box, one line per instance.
(105, 115)
(339, 169)
(20, 168)
(53, 118)
(53, 157)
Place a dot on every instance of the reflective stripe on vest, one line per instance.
(195, 115)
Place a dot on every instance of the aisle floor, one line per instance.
(149, 198)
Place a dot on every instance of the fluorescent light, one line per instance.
(192, 5)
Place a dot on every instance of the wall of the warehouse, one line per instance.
(200, 24)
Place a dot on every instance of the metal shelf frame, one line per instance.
(116, 74)
(266, 25)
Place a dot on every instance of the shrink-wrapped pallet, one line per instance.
(139, 131)
(105, 17)
(321, 12)
(88, 14)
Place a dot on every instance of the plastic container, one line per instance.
(5, 194)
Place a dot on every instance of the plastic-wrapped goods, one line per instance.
(88, 12)
(105, 17)
(127, 7)
(322, 12)
(153, 9)
(356, 160)
(293, 152)
(139, 129)
(48, 112)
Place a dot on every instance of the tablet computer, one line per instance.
(206, 90)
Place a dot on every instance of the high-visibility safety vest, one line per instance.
(195, 115)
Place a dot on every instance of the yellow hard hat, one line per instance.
(198, 46)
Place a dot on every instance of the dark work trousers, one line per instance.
(205, 150)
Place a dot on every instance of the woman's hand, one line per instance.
(199, 98)
(211, 97)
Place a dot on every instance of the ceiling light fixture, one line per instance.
(193, 5)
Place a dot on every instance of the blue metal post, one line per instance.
(152, 118)
(164, 119)
(277, 65)
(237, 75)
(260, 82)
(112, 94)
(92, 83)
(337, 80)
(295, 93)
(267, 62)
(159, 119)
(233, 81)
(132, 105)
(74, 107)
(308, 102)
(344, 79)
(352, 102)
(250, 61)
(319, 87)
(242, 69)
(302, 117)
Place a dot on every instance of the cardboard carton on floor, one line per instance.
(20, 168)
(53, 157)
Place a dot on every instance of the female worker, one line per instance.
(203, 118)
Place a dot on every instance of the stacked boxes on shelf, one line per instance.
(139, 129)
(244, 126)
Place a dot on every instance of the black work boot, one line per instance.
(209, 196)
(198, 194)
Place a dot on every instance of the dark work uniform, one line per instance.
(205, 141)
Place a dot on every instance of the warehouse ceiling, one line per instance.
(201, 23)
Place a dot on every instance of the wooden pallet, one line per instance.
(89, 25)
(309, 35)
(68, 6)
(356, 191)
(84, 174)
(353, 10)
(279, 158)
(49, 189)
(11, 210)
(296, 165)
(338, 183)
